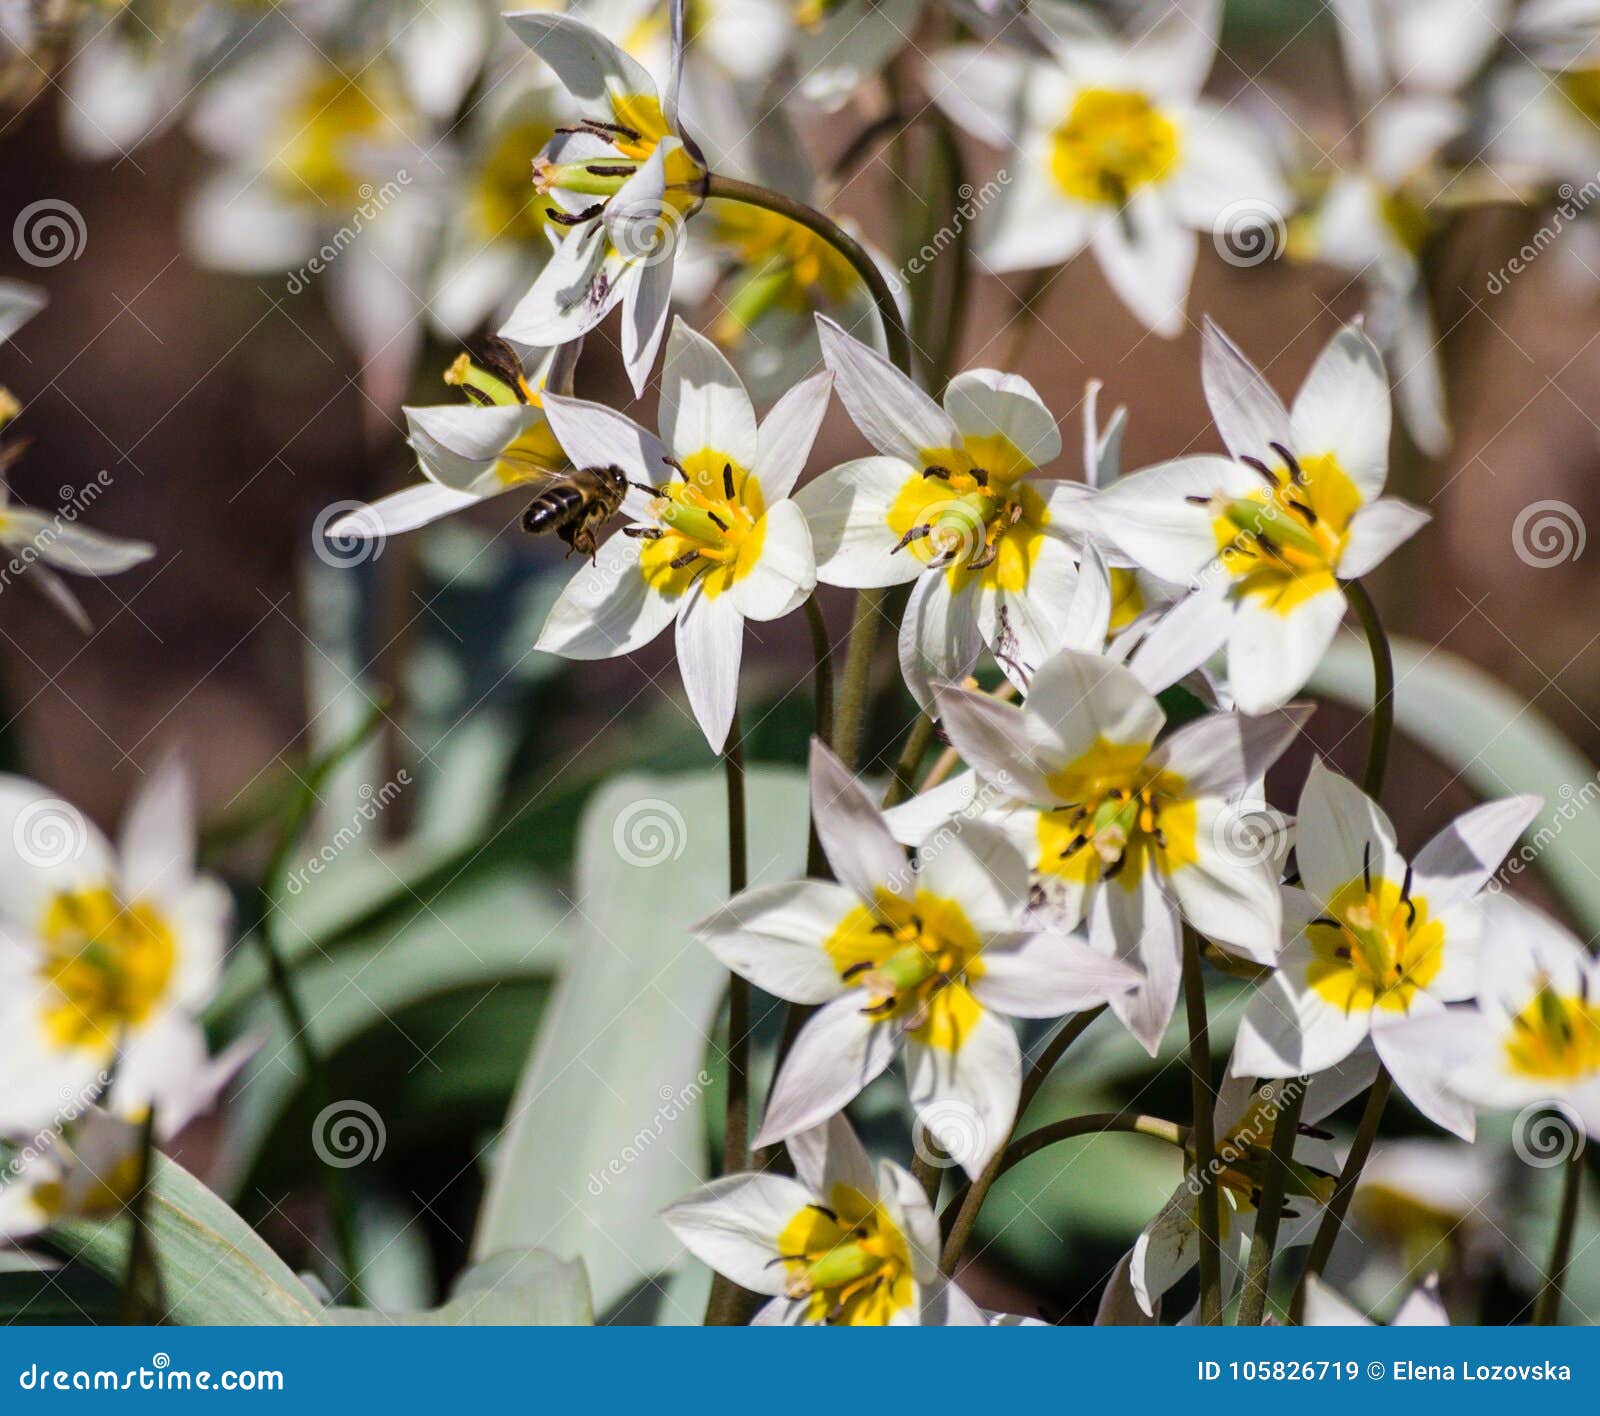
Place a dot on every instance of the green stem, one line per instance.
(852, 709)
(1269, 1211)
(966, 1217)
(918, 740)
(1194, 996)
(1095, 1124)
(141, 1253)
(822, 656)
(894, 328)
(928, 1163)
(947, 346)
(1547, 1311)
(1382, 687)
(1344, 1192)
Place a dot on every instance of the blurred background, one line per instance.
(231, 412)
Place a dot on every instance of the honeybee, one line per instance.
(576, 504)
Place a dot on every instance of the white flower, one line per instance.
(1121, 831)
(1422, 1307)
(951, 503)
(499, 442)
(933, 956)
(1113, 150)
(1533, 1033)
(624, 180)
(106, 954)
(90, 1172)
(1374, 939)
(715, 539)
(837, 1244)
(1245, 1117)
(1269, 533)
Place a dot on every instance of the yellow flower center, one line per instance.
(710, 526)
(1127, 599)
(914, 958)
(111, 964)
(1375, 947)
(1581, 88)
(504, 204)
(849, 1260)
(1122, 817)
(635, 129)
(780, 265)
(971, 510)
(1113, 142)
(324, 132)
(1407, 220)
(107, 1197)
(1556, 1037)
(1282, 542)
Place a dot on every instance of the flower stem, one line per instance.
(1344, 1192)
(141, 1253)
(1547, 1311)
(1382, 687)
(822, 655)
(1194, 996)
(852, 710)
(894, 329)
(966, 1217)
(1269, 1212)
(915, 749)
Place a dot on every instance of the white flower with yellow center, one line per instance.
(1120, 830)
(89, 1172)
(839, 1244)
(498, 441)
(1533, 1033)
(623, 181)
(931, 957)
(1268, 534)
(1111, 148)
(106, 954)
(952, 504)
(1245, 1118)
(714, 540)
(1374, 939)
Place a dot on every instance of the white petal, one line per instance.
(835, 1055)
(569, 297)
(967, 1098)
(995, 740)
(159, 838)
(590, 66)
(644, 315)
(593, 435)
(894, 415)
(1184, 638)
(703, 403)
(854, 835)
(1148, 517)
(60, 543)
(1460, 860)
(1049, 976)
(1289, 1029)
(1375, 531)
(1230, 893)
(785, 573)
(939, 636)
(831, 1154)
(732, 1225)
(401, 511)
(607, 608)
(1025, 627)
(1077, 697)
(1223, 753)
(987, 403)
(1343, 408)
(1325, 1308)
(710, 643)
(456, 443)
(1148, 259)
(47, 846)
(1136, 922)
(1414, 1065)
(1226, 170)
(1336, 825)
(788, 432)
(1248, 413)
(1272, 653)
(773, 935)
(982, 872)
(847, 510)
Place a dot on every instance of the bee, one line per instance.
(576, 504)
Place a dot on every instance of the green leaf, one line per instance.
(516, 1288)
(1499, 743)
(214, 1268)
(607, 1124)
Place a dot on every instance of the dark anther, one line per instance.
(1257, 465)
(1406, 900)
(717, 521)
(1198, 501)
(915, 533)
(610, 169)
(1076, 844)
(1327, 920)
(1366, 866)
(1289, 461)
(727, 480)
(823, 1209)
(687, 558)
(980, 476)
(942, 473)
(644, 533)
(569, 218)
(855, 969)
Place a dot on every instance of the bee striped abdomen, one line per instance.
(552, 507)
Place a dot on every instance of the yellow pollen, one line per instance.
(849, 1260)
(712, 526)
(1113, 142)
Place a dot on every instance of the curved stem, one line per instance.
(1194, 996)
(852, 708)
(1094, 1124)
(966, 1217)
(1382, 687)
(905, 767)
(1344, 1192)
(1269, 1211)
(751, 194)
(1547, 1311)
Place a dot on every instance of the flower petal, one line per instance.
(1248, 413)
(773, 935)
(966, 1097)
(1343, 408)
(703, 403)
(987, 403)
(710, 642)
(939, 636)
(1375, 531)
(1460, 860)
(831, 1154)
(847, 510)
(593, 435)
(1272, 653)
(592, 68)
(1049, 975)
(607, 608)
(1149, 518)
(787, 433)
(1335, 825)
(732, 1225)
(894, 415)
(785, 572)
(835, 1055)
(864, 855)
(1222, 754)
(1136, 922)
(1148, 259)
